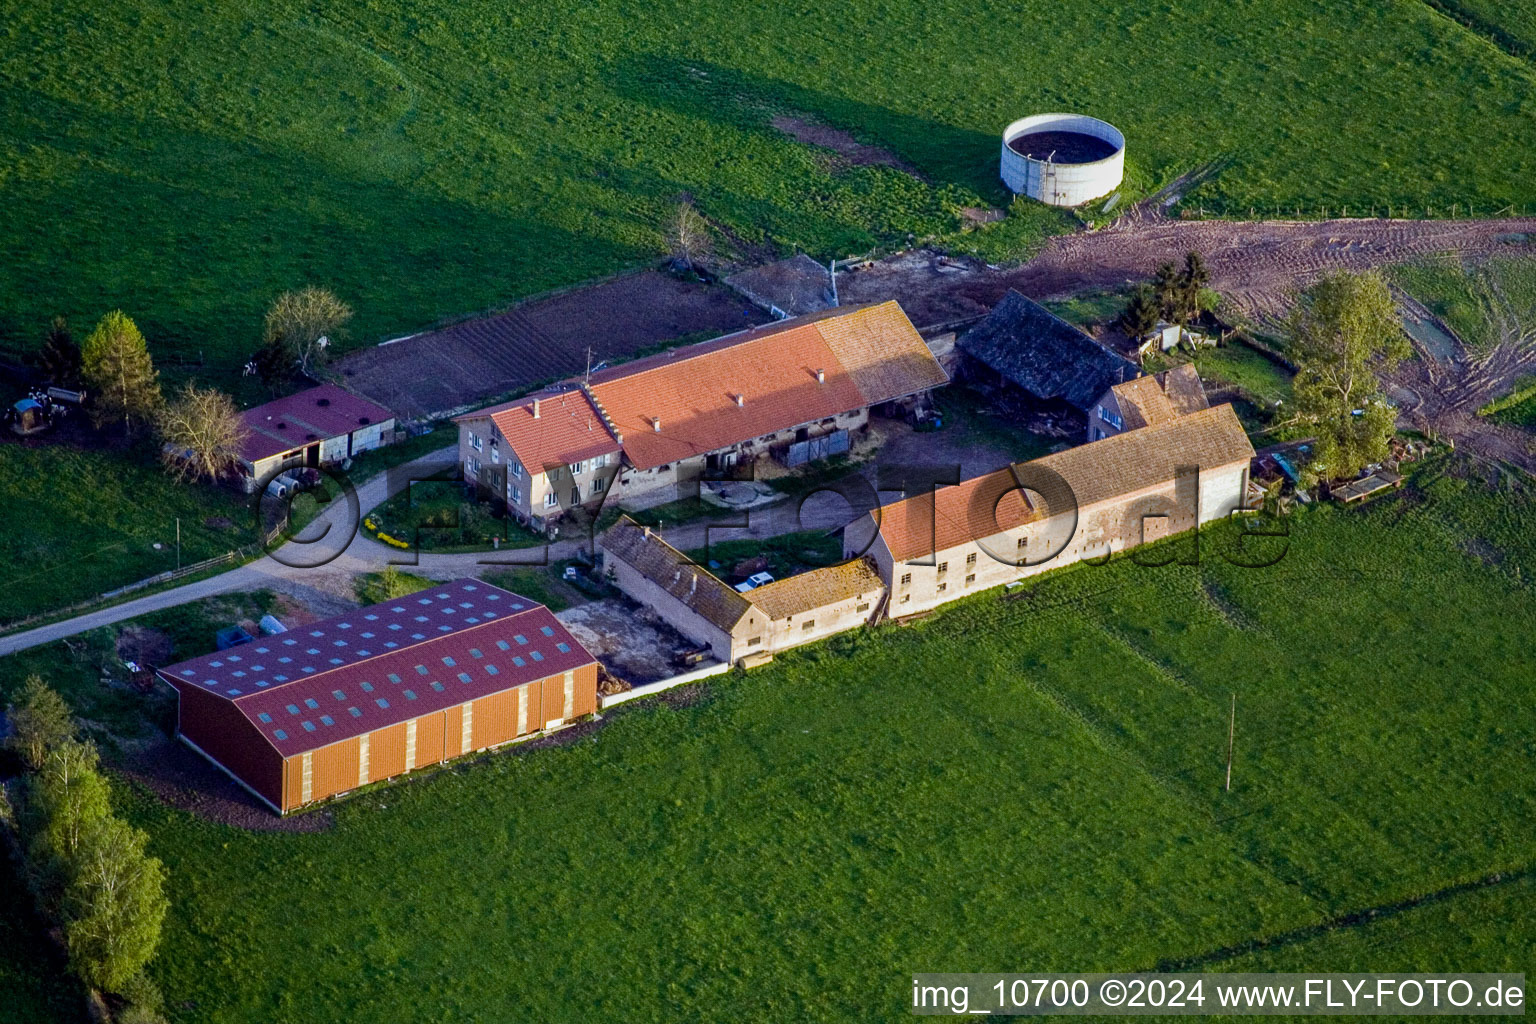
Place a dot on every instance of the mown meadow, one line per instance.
(187, 161)
(1029, 784)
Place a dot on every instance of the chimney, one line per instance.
(741, 400)
(535, 408)
(821, 376)
(656, 424)
(647, 532)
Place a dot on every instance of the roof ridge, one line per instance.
(533, 606)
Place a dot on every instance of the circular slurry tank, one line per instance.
(1063, 159)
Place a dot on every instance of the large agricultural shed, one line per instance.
(380, 691)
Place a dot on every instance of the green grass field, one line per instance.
(1032, 783)
(1479, 302)
(81, 522)
(187, 161)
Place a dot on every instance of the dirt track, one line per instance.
(1256, 266)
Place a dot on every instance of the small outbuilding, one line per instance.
(1147, 402)
(1024, 349)
(321, 426)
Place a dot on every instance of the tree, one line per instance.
(115, 905)
(688, 238)
(117, 367)
(1140, 314)
(40, 721)
(273, 363)
(69, 795)
(1165, 286)
(59, 358)
(202, 434)
(304, 324)
(1180, 292)
(1342, 332)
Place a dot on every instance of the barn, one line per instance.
(381, 691)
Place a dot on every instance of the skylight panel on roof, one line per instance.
(390, 645)
(563, 647)
(503, 645)
(233, 692)
(519, 662)
(410, 694)
(547, 630)
(418, 636)
(371, 617)
(290, 642)
(280, 678)
(335, 661)
(261, 650)
(367, 636)
(536, 656)
(439, 687)
(231, 657)
(465, 604)
(316, 632)
(311, 703)
(215, 664)
(327, 720)
(309, 668)
(188, 671)
(313, 650)
(338, 695)
(443, 629)
(338, 643)
(421, 618)
(464, 677)
(448, 660)
(343, 625)
(520, 638)
(308, 726)
(492, 670)
(382, 702)
(421, 670)
(293, 709)
(424, 600)
(397, 608)
(393, 677)
(354, 712)
(280, 734)
(265, 718)
(474, 652)
(367, 687)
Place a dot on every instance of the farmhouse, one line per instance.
(732, 625)
(641, 433)
(1147, 401)
(377, 692)
(1125, 490)
(1032, 354)
(320, 426)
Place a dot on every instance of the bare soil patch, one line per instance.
(186, 781)
(632, 643)
(469, 363)
(848, 148)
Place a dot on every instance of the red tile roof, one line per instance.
(758, 382)
(568, 428)
(1119, 465)
(732, 389)
(389, 662)
(314, 415)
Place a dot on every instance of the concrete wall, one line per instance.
(1059, 184)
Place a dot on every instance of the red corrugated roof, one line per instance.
(314, 415)
(384, 660)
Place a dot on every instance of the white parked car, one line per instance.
(753, 582)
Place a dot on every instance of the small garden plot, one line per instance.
(437, 515)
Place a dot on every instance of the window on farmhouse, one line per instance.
(597, 485)
(970, 579)
(599, 461)
(474, 441)
(808, 624)
(943, 587)
(970, 559)
(517, 495)
(943, 568)
(754, 641)
(577, 467)
(906, 579)
(1023, 543)
(517, 467)
(905, 598)
(864, 607)
(550, 501)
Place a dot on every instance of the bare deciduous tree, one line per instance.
(688, 237)
(304, 323)
(202, 433)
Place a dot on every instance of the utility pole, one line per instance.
(178, 542)
(1231, 735)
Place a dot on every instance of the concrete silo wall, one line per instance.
(1063, 184)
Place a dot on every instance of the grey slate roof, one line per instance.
(1044, 355)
